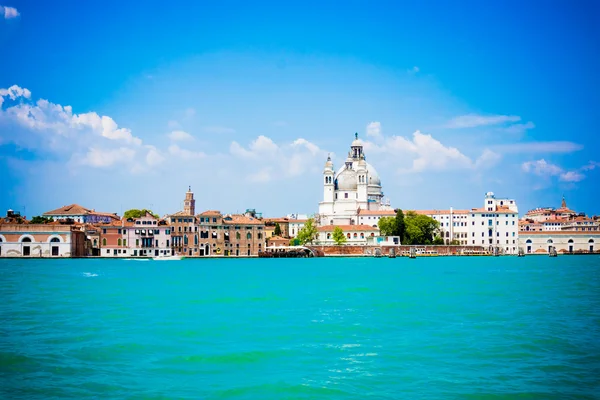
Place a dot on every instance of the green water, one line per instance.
(352, 328)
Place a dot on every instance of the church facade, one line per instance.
(355, 186)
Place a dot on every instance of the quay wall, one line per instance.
(369, 250)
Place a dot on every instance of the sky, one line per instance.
(125, 105)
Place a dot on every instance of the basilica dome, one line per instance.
(346, 179)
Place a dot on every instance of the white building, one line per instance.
(41, 240)
(296, 225)
(563, 242)
(494, 225)
(354, 186)
(355, 234)
(372, 217)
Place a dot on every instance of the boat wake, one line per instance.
(89, 274)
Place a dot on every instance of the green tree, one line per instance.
(135, 213)
(387, 226)
(294, 242)
(400, 229)
(277, 231)
(40, 220)
(438, 240)
(308, 233)
(454, 242)
(338, 236)
(419, 229)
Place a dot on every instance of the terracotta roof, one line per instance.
(210, 212)
(277, 219)
(330, 228)
(376, 212)
(180, 214)
(241, 220)
(76, 209)
(292, 221)
(554, 220)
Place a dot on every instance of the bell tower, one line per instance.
(329, 181)
(189, 204)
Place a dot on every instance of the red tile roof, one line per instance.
(440, 212)
(211, 212)
(241, 220)
(376, 212)
(76, 209)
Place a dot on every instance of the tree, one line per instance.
(135, 213)
(419, 229)
(294, 242)
(454, 242)
(277, 231)
(400, 224)
(438, 240)
(338, 236)
(308, 233)
(40, 220)
(387, 226)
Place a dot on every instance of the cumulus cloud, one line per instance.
(180, 136)
(9, 12)
(475, 120)
(184, 153)
(545, 169)
(374, 130)
(97, 157)
(429, 154)
(154, 157)
(274, 161)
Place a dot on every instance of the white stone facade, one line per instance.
(356, 185)
(563, 242)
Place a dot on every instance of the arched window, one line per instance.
(355, 235)
(124, 242)
(185, 239)
(104, 242)
(549, 241)
(196, 239)
(329, 236)
(372, 234)
(348, 235)
(260, 234)
(591, 241)
(95, 242)
(362, 235)
(26, 240)
(119, 242)
(55, 240)
(528, 241)
(237, 235)
(248, 236)
(570, 241)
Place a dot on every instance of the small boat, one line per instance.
(168, 258)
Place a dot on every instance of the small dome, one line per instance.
(356, 143)
(346, 180)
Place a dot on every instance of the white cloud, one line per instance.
(487, 159)
(545, 169)
(590, 166)
(572, 176)
(539, 147)
(106, 126)
(218, 130)
(276, 161)
(97, 157)
(541, 167)
(180, 136)
(374, 130)
(154, 157)
(517, 129)
(475, 120)
(185, 154)
(9, 12)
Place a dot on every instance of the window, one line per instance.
(348, 235)
(248, 236)
(119, 242)
(167, 243)
(237, 235)
(104, 231)
(345, 195)
(329, 236)
(104, 242)
(355, 235)
(214, 220)
(137, 242)
(260, 235)
(124, 242)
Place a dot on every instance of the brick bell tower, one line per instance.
(189, 204)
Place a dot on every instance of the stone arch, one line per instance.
(26, 239)
(2, 239)
(570, 241)
(51, 239)
(528, 241)
(591, 240)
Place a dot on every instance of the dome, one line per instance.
(346, 180)
(373, 176)
(356, 143)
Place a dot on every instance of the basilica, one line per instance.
(355, 188)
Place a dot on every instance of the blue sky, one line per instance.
(123, 106)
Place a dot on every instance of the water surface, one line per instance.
(351, 328)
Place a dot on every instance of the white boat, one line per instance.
(168, 258)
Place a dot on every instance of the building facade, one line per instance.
(495, 225)
(184, 228)
(230, 235)
(77, 213)
(355, 234)
(563, 241)
(41, 240)
(354, 186)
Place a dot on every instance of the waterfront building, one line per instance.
(148, 236)
(355, 234)
(354, 186)
(549, 213)
(560, 219)
(563, 241)
(372, 217)
(495, 225)
(41, 240)
(284, 226)
(184, 228)
(113, 239)
(77, 213)
(295, 225)
(230, 234)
